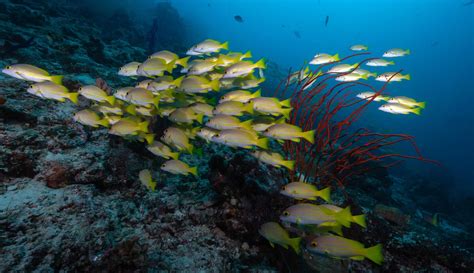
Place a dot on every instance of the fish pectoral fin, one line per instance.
(358, 258)
(272, 244)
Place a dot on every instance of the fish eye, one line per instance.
(314, 244)
(284, 188)
(31, 86)
(286, 213)
(8, 67)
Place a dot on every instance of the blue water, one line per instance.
(439, 34)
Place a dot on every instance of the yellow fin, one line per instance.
(289, 164)
(325, 194)
(262, 143)
(375, 254)
(194, 171)
(110, 100)
(74, 97)
(295, 244)
(308, 135)
(260, 64)
(360, 220)
(57, 79)
(143, 126)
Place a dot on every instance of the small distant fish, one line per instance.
(94, 93)
(222, 122)
(185, 116)
(326, 21)
(359, 48)
(351, 77)
(90, 118)
(407, 101)
(369, 95)
(170, 57)
(128, 126)
(309, 214)
(379, 62)
(240, 138)
(291, 132)
(175, 166)
(51, 90)
(243, 68)
(233, 108)
(396, 52)
(160, 149)
(31, 73)
(361, 71)
(240, 95)
(147, 180)
(207, 46)
(323, 58)
(196, 84)
(274, 159)
(238, 18)
(142, 97)
(297, 34)
(273, 106)
(342, 68)
(340, 247)
(177, 138)
(301, 190)
(129, 70)
(164, 83)
(154, 67)
(202, 108)
(275, 234)
(393, 77)
(396, 108)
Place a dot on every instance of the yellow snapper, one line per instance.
(94, 93)
(143, 84)
(149, 138)
(361, 71)
(222, 122)
(299, 75)
(121, 93)
(154, 67)
(170, 57)
(185, 115)
(358, 219)
(324, 58)
(291, 132)
(275, 234)
(274, 159)
(379, 62)
(146, 179)
(201, 67)
(262, 123)
(142, 97)
(351, 77)
(359, 48)
(164, 83)
(272, 106)
(129, 70)
(202, 108)
(30, 73)
(51, 90)
(127, 126)
(240, 95)
(369, 95)
(225, 60)
(395, 52)
(397, 108)
(342, 68)
(340, 247)
(160, 149)
(393, 77)
(309, 214)
(112, 119)
(207, 133)
(207, 46)
(177, 138)
(248, 82)
(106, 109)
(407, 101)
(90, 118)
(175, 166)
(301, 190)
(243, 68)
(240, 138)
(196, 84)
(165, 111)
(233, 108)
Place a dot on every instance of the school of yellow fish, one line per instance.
(183, 90)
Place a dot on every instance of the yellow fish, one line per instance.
(240, 138)
(147, 180)
(395, 52)
(272, 106)
(342, 68)
(170, 57)
(396, 108)
(407, 101)
(160, 149)
(359, 48)
(90, 118)
(275, 234)
(94, 93)
(233, 108)
(291, 132)
(176, 137)
(51, 90)
(178, 167)
(164, 83)
(142, 97)
(340, 247)
(128, 126)
(207, 46)
(185, 115)
(154, 67)
(196, 84)
(129, 70)
(243, 68)
(222, 122)
(358, 219)
(202, 108)
(274, 159)
(393, 77)
(301, 190)
(309, 214)
(30, 73)
(323, 58)
(240, 96)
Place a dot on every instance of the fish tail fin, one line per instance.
(57, 79)
(174, 156)
(344, 216)
(110, 100)
(170, 67)
(247, 55)
(336, 57)
(149, 138)
(199, 118)
(246, 124)
(365, 76)
(416, 111)
(295, 244)
(262, 143)
(143, 126)
(131, 109)
(225, 45)
(177, 82)
(286, 103)
(407, 77)
(261, 64)
(190, 149)
(391, 62)
(422, 104)
(373, 74)
(104, 122)
(325, 194)
(375, 254)
(286, 112)
(337, 229)
(74, 97)
(360, 220)
(214, 85)
(435, 220)
(289, 164)
(212, 101)
(156, 101)
(194, 171)
(183, 61)
(309, 136)
(257, 93)
(407, 52)
(152, 185)
(249, 107)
